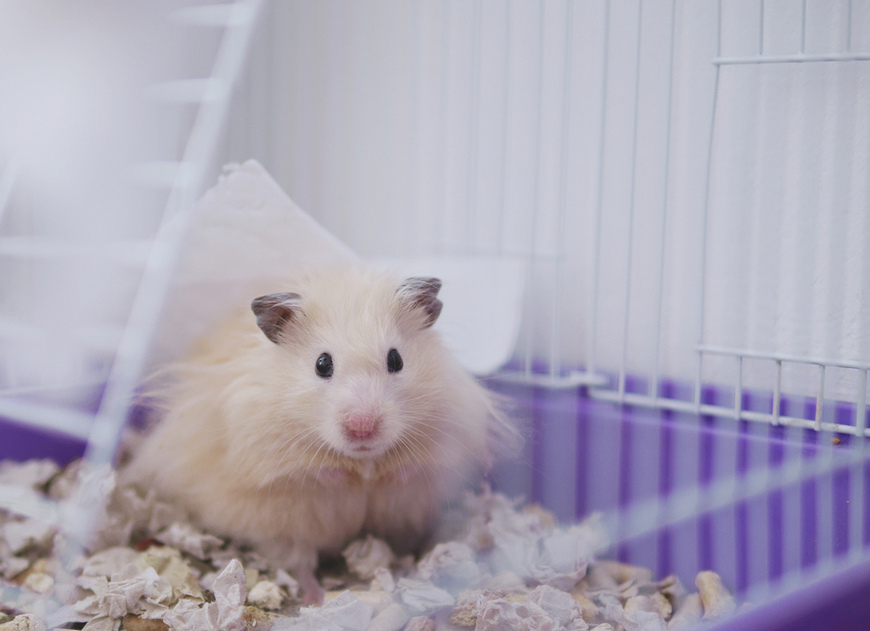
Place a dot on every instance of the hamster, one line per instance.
(330, 411)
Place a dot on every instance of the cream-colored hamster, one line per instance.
(335, 411)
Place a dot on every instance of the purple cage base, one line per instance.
(583, 455)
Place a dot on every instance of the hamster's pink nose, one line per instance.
(361, 426)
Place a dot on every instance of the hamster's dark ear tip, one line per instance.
(274, 311)
(421, 293)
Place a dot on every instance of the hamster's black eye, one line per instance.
(394, 361)
(323, 365)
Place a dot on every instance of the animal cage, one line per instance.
(678, 190)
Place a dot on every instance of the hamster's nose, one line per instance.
(360, 427)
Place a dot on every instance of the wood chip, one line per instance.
(624, 573)
(547, 519)
(655, 603)
(588, 608)
(39, 583)
(266, 595)
(420, 623)
(257, 619)
(135, 623)
(661, 605)
(24, 622)
(717, 600)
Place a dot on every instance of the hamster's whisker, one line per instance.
(423, 470)
(464, 478)
(289, 445)
(294, 439)
(394, 457)
(310, 463)
(301, 455)
(426, 450)
(412, 451)
(440, 446)
(447, 434)
(285, 449)
(331, 455)
(441, 418)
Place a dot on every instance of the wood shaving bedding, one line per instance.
(510, 568)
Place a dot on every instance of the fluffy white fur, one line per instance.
(251, 440)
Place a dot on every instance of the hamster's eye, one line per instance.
(323, 366)
(394, 361)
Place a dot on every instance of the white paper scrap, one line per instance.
(559, 605)
(365, 556)
(559, 558)
(130, 591)
(227, 611)
(168, 564)
(109, 561)
(23, 534)
(423, 595)
(265, 595)
(638, 621)
(188, 539)
(450, 563)
(343, 613)
(30, 473)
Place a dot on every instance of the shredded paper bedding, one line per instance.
(508, 567)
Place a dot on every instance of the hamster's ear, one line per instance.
(420, 293)
(273, 311)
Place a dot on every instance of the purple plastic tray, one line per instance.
(20, 442)
(583, 455)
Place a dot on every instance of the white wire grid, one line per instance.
(775, 360)
(557, 374)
